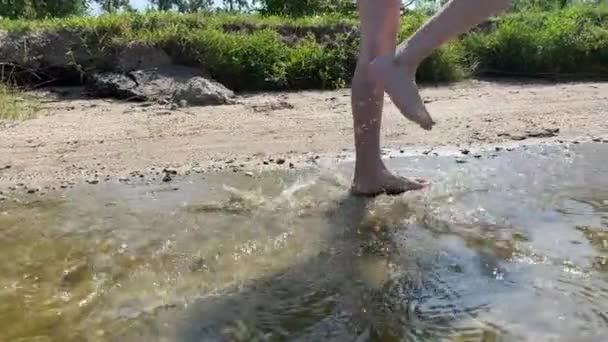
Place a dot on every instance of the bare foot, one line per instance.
(386, 183)
(399, 83)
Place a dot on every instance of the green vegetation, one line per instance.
(15, 106)
(269, 52)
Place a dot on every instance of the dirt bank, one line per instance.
(76, 140)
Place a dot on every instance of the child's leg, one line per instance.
(455, 18)
(379, 24)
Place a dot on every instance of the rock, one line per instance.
(518, 137)
(140, 55)
(32, 191)
(199, 91)
(597, 139)
(546, 133)
(93, 181)
(158, 84)
(115, 85)
(465, 151)
(498, 149)
(280, 161)
(291, 165)
(167, 178)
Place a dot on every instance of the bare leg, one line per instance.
(379, 23)
(455, 18)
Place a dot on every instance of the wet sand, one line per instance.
(78, 140)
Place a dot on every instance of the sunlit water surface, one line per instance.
(509, 247)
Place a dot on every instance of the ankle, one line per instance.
(405, 58)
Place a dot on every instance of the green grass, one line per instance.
(252, 52)
(15, 105)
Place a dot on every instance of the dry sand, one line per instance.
(75, 140)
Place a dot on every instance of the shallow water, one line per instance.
(512, 247)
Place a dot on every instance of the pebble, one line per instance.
(167, 178)
(597, 140)
(93, 181)
(518, 137)
(265, 162)
(498, 149)
(465, 151)
(477, 156)
(6, 167)
(291, 166)
(32, 191)
(280, 161)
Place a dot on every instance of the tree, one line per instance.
(235, 5)
(111, 6)
(164, 5)
(192, 6)
(36, 9)
(305, 7)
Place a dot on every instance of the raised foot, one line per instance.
(386, 183)
(399, 83)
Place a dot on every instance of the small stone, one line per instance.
(32, 191)
(477, 156)
(249, 174)
(170, 172)
(265, 162)
(498, 149)
(123, 179)
(93, 181)
(465, 151)
(605, 141)
(518, 137)
(291, 166)
(280, 161)
(167, 178)
(575, 142)
(6, 167)
(597, 139)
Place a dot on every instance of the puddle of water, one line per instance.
(512, 247)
